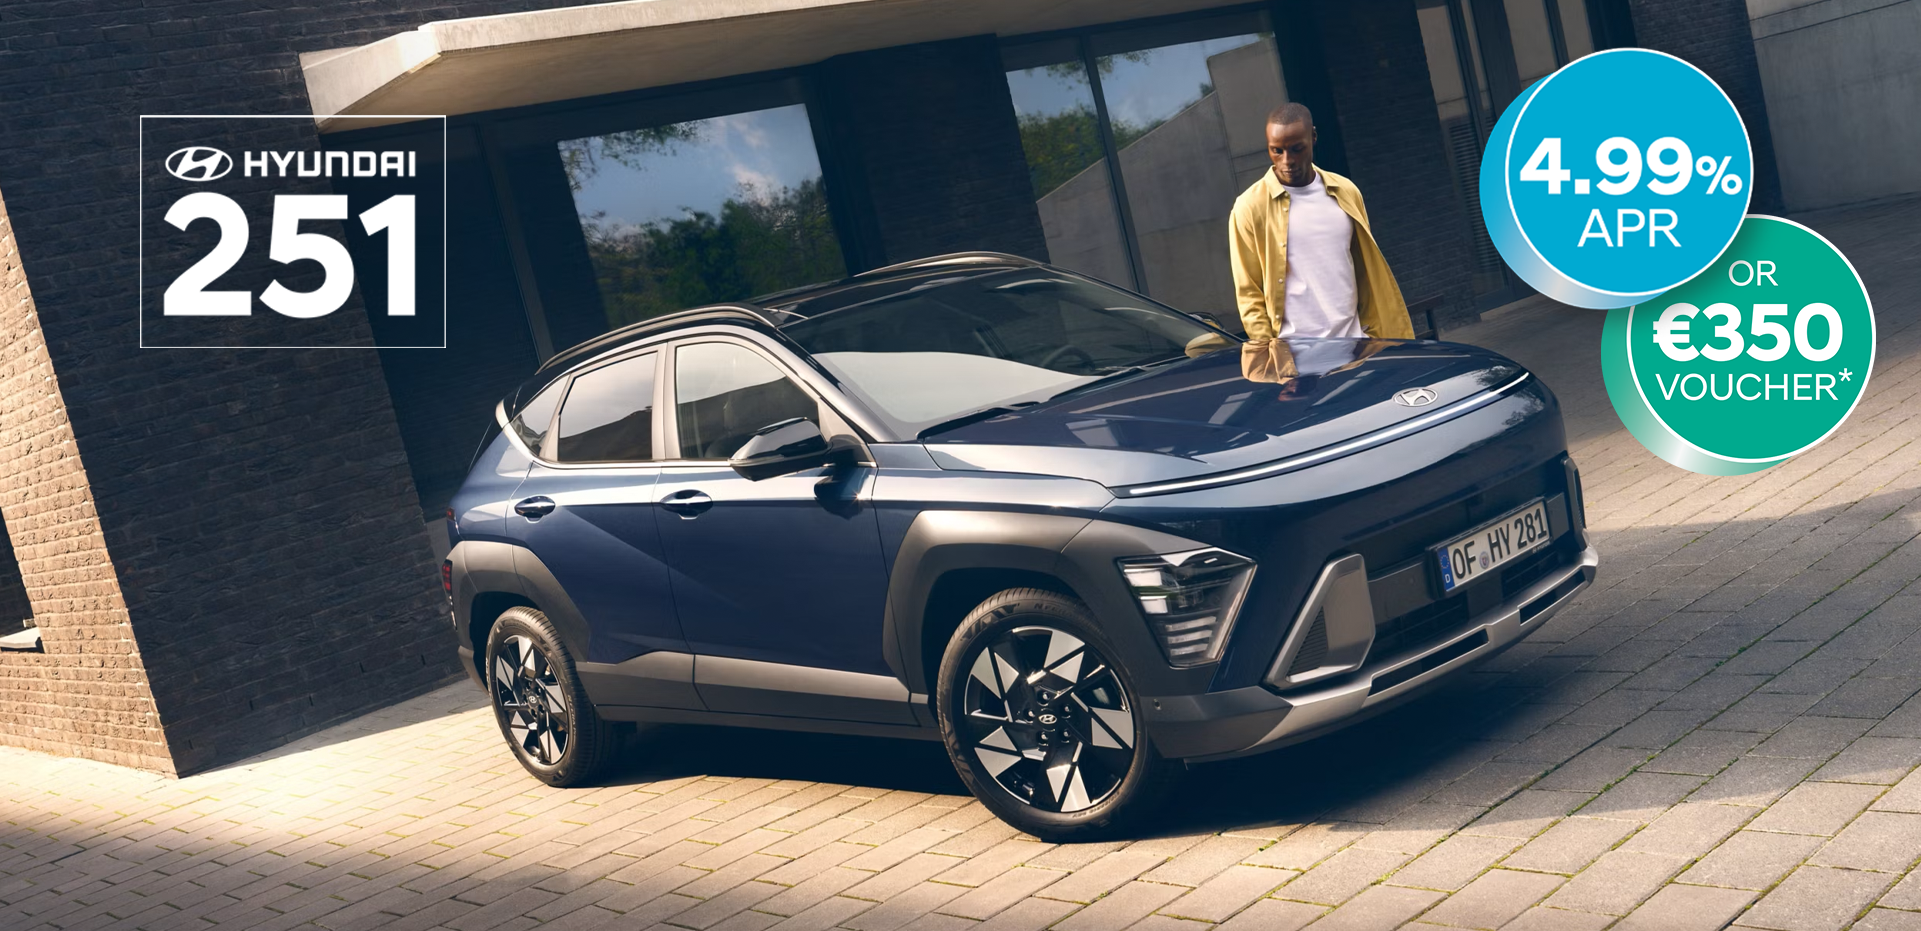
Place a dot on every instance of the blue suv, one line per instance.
(1075, 535)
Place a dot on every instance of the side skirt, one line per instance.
(768, 722)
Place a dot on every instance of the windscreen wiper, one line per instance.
(986, 413)
(1116, 375)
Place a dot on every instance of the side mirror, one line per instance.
(783, 448)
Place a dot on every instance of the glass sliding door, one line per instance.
(1139, 140)
(697, 212)
(1190, 125)
(1067, 160)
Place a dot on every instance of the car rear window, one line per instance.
(537, 415)
(609, 414)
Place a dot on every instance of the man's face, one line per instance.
(1290, 146)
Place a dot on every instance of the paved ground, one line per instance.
(1725, 729)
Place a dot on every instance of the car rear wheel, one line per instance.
(1041, 723)
(539, 703)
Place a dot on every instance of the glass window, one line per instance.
(1574, 28)
(1445, 34)
(1533, 39)
(537, 415)
(1060, 134)
(724, 393)
(957, 344)
(1190, 124)
(609, 414)
(1186, 107)
(1472, 37)
(695, 213)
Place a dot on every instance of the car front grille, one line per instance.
(1411, 538)
(1418, 628)
(1518, 575)
(1402, 580)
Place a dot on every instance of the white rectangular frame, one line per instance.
(141, 201)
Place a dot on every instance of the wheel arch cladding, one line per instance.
(492, 577)
(957, 593)
(486, 609)
(947, 556)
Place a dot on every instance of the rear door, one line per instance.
(780, 583)
(586, 513)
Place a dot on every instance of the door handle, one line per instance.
(535, 508)
(689, 503)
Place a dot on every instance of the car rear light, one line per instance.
(447, 578)
(1190, 599)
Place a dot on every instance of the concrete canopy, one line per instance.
(489, 62)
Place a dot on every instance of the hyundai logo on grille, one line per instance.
(1415, 397)
(199, 163)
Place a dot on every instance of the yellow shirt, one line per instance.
(1257, 249)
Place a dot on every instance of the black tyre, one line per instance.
(538, 701)
(1042, 725)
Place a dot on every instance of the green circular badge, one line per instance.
(1756, 359)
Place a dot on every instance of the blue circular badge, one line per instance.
(1618, 177)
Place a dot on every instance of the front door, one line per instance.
(781, 583)
(586, 513)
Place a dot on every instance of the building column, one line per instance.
(921, 151)
(1715, 36)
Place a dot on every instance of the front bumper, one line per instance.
(1243, 721)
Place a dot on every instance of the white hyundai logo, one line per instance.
(199, 163)
(1415, 397)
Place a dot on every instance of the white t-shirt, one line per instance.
(1320, 269)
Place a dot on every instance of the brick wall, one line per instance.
(1391, 134)
(87, 693)
(1715, 36)
(254, 507)
(923, 153)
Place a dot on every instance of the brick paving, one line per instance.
(1723, 731)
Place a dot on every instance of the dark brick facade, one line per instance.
(1391, 137)
(256, 566)
(1715, 36)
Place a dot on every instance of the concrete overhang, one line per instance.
(485, 63)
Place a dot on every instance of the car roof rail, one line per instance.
(954, 258)
(717, 312)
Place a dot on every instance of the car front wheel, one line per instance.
(540, 705)
(1041, 723)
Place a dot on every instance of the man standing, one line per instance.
(1304, 261)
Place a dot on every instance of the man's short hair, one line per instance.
(1288, 114)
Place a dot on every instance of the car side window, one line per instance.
(724, 392)
(537, 415)
(609, 414)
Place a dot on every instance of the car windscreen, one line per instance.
(954, 346)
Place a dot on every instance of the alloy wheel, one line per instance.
(1048, 718)
(530, 696)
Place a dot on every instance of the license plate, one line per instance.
(1465, 558)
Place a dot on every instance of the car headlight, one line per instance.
(1190, 599)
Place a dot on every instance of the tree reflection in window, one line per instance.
(695, 213)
